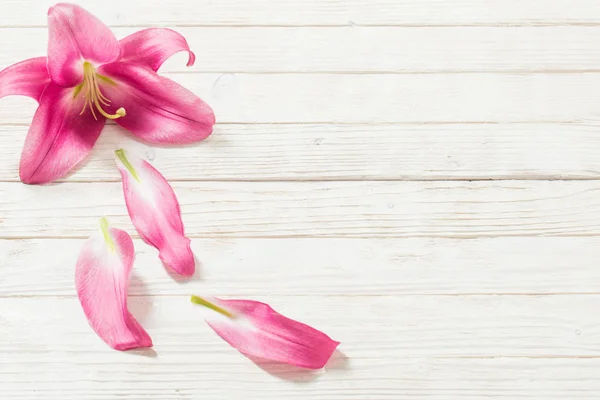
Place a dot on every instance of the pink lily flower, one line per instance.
(102, 281)
(255, 329)
(89, 77)
(155, 212)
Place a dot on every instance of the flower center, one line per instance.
(94, 99)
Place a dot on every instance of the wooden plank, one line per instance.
(307, 267)
(219, 377)
(375, 327)
(437, 290)
(348, 152)
(438, 347)
(362, 49)
(315, 12)
(432, 98)
(322, 209)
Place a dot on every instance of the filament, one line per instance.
(93, 97)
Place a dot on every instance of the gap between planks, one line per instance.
(357, 51)
(527, 267)
(339, 209)
(532, 24)
(334, 295)
(382, 123)
(313, 12)
(394, 72)
(415, 178)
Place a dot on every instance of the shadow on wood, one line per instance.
(338, 361)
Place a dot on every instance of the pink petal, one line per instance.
(155, 213)
(255, 329)
(27, 78)
(59, 137)
(102, 281)
(152, 47)
(158, 109)
(76, 36)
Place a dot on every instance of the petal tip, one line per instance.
(144, 342)
(27, 176)
(62, 7)
(328, 353)
(191, 59)
(27, 180)
(52, 9)
(75, 34)
(180, 259)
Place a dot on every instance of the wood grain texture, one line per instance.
(307, 152)
(315, 12)
(382, 98)
(336, 188)
(373, 379)
(416, 326)
(321, 209)
(362, 49)
(442, 346)
(303, 268)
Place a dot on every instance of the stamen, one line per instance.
(93, 112)
(93, 97)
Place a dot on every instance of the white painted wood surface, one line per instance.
(417, 178)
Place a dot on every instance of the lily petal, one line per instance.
(59, 137)
(152, 47)
(155, 213)
(77, 36)
(255, 329)
(27, 78)
(102, 281)
(158, 109)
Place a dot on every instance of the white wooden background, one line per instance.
(418, 178)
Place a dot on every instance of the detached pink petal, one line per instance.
(27, 78)
(102, 281)
(152, 47)
(59, 137)
(158, 109)
(77, 36)
(255, 329)
(155, 213)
